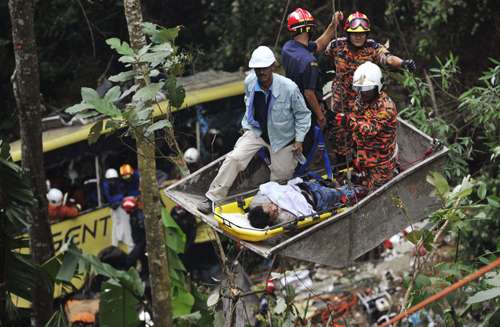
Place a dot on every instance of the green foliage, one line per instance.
(117, 306)
(182, 299)
(463, 206)
(433, 26)
(161, 61)
(465, 121)
(19, 273)
(237, 27)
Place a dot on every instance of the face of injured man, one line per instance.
(272, 210)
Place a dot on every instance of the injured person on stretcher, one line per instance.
(275, 203)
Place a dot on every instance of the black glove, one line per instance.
(409, 64)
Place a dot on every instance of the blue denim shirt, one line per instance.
(288, 117)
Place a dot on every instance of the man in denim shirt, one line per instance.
(276, 117)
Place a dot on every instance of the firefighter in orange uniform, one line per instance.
(373, 124)
(57, 209)
(348, 53)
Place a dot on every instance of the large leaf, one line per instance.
(147, 93)
(122, 77)
(113, 94)
(107, 108)
(121, 47)
(129, 279)
(154, 58)
(494, 281)
(68, 267)
(103, 106)
(182, 302)
(176, 98)
(484, 295)
(493, 201)
(167, 34)
(175, 94)
(160, 124)
(21, 275)
(175, 237)
(117, 307)
(78, 108)
(89, 95)
(160, 34)
(439, 182)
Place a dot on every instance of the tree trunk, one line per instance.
(26, 84)
(3, 294)
(155, 235)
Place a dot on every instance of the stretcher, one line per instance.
(231, 217)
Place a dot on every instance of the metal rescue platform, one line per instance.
(340, 239)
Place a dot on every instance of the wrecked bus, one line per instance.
(67, 155)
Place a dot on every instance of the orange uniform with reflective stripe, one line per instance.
(373, 129)
(347, 60)
(62, 212)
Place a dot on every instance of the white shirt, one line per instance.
(287, 197)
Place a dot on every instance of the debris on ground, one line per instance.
(366, 294)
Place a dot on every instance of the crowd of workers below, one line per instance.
(282, 112)
(116, 188)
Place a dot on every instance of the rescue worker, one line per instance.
(280, 126)
(130, 180)
(373, 124)
(138, 231)
(298, 58)
(348, 53)
(57, 209)
(112, 188)
(192, 158)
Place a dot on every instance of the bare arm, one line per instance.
(327, 36)
(394, 61)
(313, 102)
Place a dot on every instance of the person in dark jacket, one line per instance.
(130, 180)
(138, 253)
(299, 61)
(112, 188)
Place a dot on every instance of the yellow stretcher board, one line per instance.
(232, 219)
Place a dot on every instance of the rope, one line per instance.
(281, 25)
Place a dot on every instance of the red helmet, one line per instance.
(300, 21)
(357, 23)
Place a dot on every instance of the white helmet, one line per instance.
(55, 197)
(191, 155)
(262, 57)
(367, 77)
(111, 173)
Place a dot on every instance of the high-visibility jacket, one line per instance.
(373, 128)
(347, 59)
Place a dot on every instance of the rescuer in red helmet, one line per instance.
(348, 53)
(298, 57)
